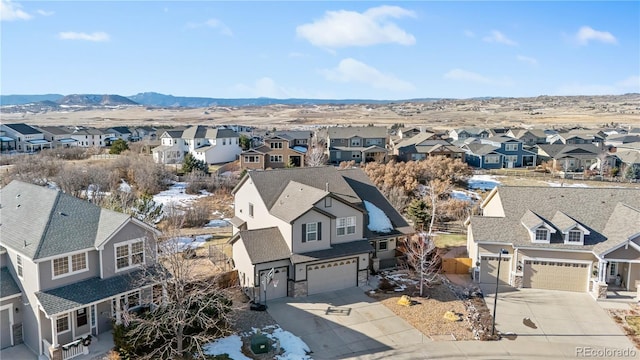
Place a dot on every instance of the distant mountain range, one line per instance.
(162, 100)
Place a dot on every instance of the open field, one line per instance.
(543, 111)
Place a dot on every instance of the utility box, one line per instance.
(260, 344)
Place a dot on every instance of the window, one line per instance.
(93, 316)
(312, 231)
(81, 317)
(276, 145)
(129, 255)
(355, 142)
(491, 159)
(251, 159)
(251, 209)
(78, 262)
(69, 265)
(383, 246)
(346, 225)
(19, 265)
(511, 159)
(511, 147)
(541, 234)
(574, 236)
(327, 202)
(275, 158)
(373, 141)
(62, 323)
(357, 155)
(338, 154)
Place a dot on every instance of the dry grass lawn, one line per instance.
(629, 321)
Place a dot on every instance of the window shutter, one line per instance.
(304, 232)
(319, 226)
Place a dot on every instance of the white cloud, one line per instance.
(214, 24)
(498, 37)
(45, 12)
(527, 59)
(95, 36)
(10, 11)
(351, 70)
(469, 33)
(343, 28)
(628, 85)
(586, 34)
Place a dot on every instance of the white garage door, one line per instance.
(278, 286)
(334, 275)
(5, 328)
(489, 269)
(555, 275)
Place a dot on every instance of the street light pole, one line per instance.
(495, 298)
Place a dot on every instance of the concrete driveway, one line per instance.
(556, 317)
(341, 324)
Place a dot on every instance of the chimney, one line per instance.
(326, 187)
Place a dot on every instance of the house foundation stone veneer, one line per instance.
(600, 290)
(299, 289)
(363, 277)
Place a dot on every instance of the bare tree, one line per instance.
(193, 311)
(316, 156)
(421, 256)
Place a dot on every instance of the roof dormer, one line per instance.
(572, 231)
(539, 231)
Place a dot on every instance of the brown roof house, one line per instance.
(280, 150)
(571, 239)
(304, 231)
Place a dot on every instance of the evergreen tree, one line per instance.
(418, 212)
(118, 146)
(190, 164)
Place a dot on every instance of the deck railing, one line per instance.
(74, 349)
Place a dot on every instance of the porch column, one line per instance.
(54, 332)
(602, 271)
(118, 311)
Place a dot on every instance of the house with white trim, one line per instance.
(211, 145)
(571, 239)
(309, 230)
(26, 138)
(68, 268)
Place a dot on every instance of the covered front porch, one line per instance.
(374, 153)
(617, 275)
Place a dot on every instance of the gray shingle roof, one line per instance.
(72, 296)
(419, 138)
(265, 245)
(531, 220)
(337, 250)
(296, 199)
(39, 222)
(345, 132)
(56, 130)
(481, 149)
(195, 132)
(602, 211)
(562, 221)
(220, 133)
(558, 151)
(23, 129)
(8, 285)
(121, 129)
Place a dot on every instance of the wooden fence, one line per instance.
(456, 265)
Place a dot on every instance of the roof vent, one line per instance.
(18, 195)
(17, 206)
(62, 214)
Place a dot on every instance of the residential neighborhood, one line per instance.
(312, 215)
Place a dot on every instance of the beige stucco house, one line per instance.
(573, 239)
(304, 231)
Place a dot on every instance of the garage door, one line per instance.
(489, 269)
(555, 275)
(334, 275)
(278, 286)
(5, 328)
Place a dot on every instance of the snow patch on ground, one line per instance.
(217, 223)
(177, 194)
(483, 182)
(378, 220)
(124, 186)
(229, 345)
(293, 348)
(465, 195)
(183, 243)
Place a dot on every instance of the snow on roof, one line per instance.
(378, 220)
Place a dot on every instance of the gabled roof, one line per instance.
(296, 199)
(607, 213)
(471, 131)
(419, 139)
(336, 250)
(531, 220)
(174, 134)
(56, 130)
(195, 132)
(121, 129)
(23, 129)
(560, 150)
(38, 222)
(345, 132)
(294, 134)
(502, 139)
(220, 133)
(629, 157)
(8, 286)
(263, 245)
(539, 133)
(481, 149)
(564, 222)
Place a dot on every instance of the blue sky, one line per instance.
(344, 50)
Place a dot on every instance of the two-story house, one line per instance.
(571, 239)
(357, 143)
(211, 145)
(59, 136)
(529, 137)
(121, 132)
(514, 155)
(92, 137)
(171, 149)
(466, 133)
(423, 145)
(572, 157)
(68, 269)
(304, 231)
(282, 149)
(27, 137)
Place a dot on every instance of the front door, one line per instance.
(613, 271)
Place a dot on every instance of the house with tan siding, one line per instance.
(571, 239)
